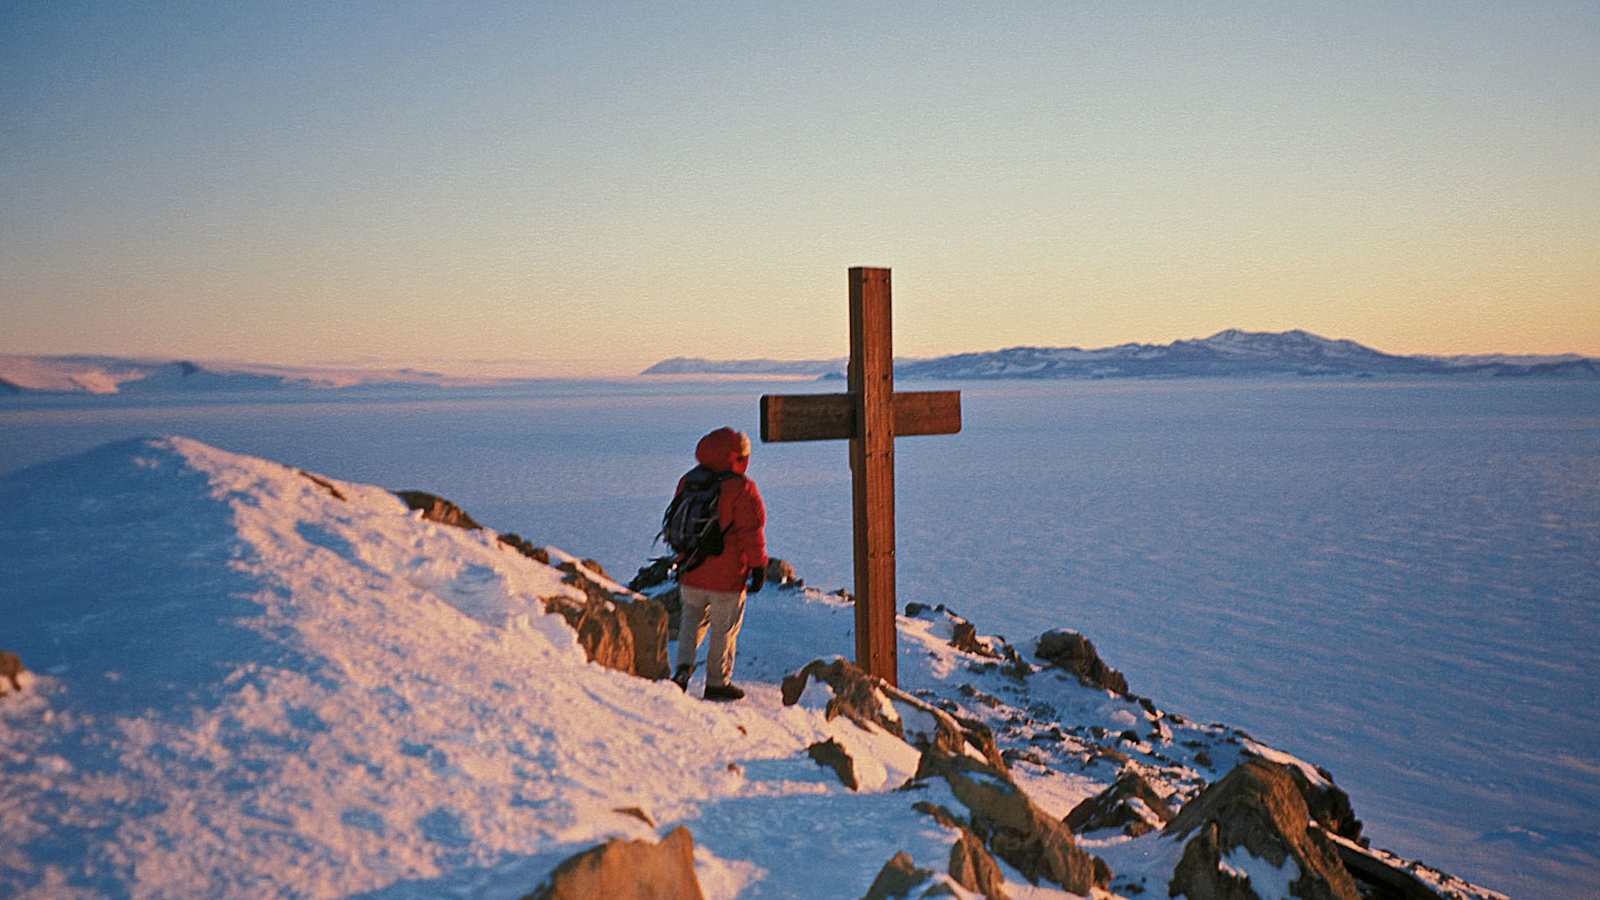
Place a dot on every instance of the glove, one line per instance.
(758, 579)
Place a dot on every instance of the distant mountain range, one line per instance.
(1226, 353)
(119, 375)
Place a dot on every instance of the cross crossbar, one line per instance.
(831, 417)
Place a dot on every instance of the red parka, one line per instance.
(741, 511)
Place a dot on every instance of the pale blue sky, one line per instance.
(590, 187)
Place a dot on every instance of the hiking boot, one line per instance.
(681, 677)
(723, 692)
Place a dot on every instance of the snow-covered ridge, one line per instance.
(118, 375)
(1227, 353)
(251, 680)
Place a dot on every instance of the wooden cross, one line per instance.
(871, 416)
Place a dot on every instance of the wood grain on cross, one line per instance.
(870, 416)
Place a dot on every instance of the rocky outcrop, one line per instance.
(652, 574)
(1075, 653)
(323, 483)
(627, 870)
(1130, 805)
(973, 868)
(520, 544)
(781, 574)
(1257, 808)
(1327, 803)
(10, 673)
(1012, 827)
(831, 754)
(644, 621)
(867, 701)
(437, 509)
(629, 635)
(898, 878)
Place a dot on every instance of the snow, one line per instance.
(252, 686)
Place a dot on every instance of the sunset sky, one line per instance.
(586, 188)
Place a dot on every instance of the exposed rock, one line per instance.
(1075, 653)
(579, 577)
(10, 673)
(437, 509)
(636, 813)
(965, 639)
(1200, 875)
(651, 574)
(974, 869)
(323, 483)
(1128, 805)
(1013, 827)
(602, 629)
(860, 698)
(521, 545)
(627, 870)
(595, 567)
(1383, 875)
(832, 754)
(647, 619)
(1327, 803)
(781, 574)
(941, 815)
(855, 694)
(627, 635)
(898, 878)
(1258, 807)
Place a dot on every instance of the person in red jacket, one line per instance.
(713, 591)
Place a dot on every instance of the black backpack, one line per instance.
(691, 525)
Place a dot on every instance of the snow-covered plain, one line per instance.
(1395, 580)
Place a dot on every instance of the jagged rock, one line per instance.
(1327, 803)
(595, 567)
(10, 673)
(965, 639)
(1200, 875)
(579, 577)
(437, 509)
(898, 878)
(974, 869)
(1013, 827)
(1129, 805)
(1075, 653)
(1258, 807)
(637, 813)
(781, 574)
(627, 870)
(832, 754)
(651, 574)
(521, 545)
(323, 483)
(860, 698)
(647, 619)
(602, 629)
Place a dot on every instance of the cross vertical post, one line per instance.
(870, 417)
(871, 380)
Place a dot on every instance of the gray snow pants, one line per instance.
(723, 611)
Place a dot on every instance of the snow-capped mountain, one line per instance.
(238, 678)
(684, 365)
(106, 375)
(1226, 353)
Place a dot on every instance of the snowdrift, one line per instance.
(247, 680)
